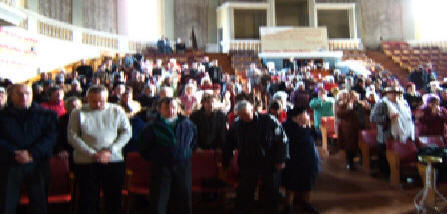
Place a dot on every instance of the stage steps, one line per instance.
(389, 65)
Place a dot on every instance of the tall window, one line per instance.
(144, 19)
(429, 17)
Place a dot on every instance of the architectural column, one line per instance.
(212, 21)
(77, 19)
(271, 13)
(122, 17)
(167, 17)
(77, 13)
(352, 23)
(231, 22)
(408, 23)
(313, 16)
(33, 5)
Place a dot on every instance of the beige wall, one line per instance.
(191, 14)
(100, 15)
(292, 14)
(60, 10)
(382, 18)
(247, 23)
(336, 21)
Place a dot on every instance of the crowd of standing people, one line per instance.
(168, 112)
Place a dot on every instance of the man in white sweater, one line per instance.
(98, 131)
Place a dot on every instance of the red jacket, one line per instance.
(59, 108)
(433, 124)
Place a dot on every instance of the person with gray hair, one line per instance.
(98, 131)
(281, 97)
(262, 146)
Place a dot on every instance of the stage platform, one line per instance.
(332, 57)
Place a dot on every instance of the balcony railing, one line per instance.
(100, 41)
(345, 44)
(442, 44)
(55, 31)
(255, 45)
(237, 45)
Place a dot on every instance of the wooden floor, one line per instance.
(338, 191)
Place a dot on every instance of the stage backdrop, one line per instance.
(293, 39)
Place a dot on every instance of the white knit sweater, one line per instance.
(90, 131)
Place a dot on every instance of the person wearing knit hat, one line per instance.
(303, 166)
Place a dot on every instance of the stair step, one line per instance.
(389, 65)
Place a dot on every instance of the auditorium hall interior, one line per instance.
(223, 106)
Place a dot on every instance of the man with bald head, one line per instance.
(27, 136)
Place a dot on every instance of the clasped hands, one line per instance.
(103, 156)
(23, 156)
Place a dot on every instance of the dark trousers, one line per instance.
(350, 157)
(13, 177)
(383, 163)
(173, 184)
(268, 194)
(95, 177)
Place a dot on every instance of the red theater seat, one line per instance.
(137, 178)
(368, 146)
(139, 168)
(327, 128)
(61, 186)
(424, 141)
(205, 172)
(402, 157)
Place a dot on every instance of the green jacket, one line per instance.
(321, 109)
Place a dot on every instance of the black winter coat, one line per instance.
(261, 143)
(304, 164)
(211, 129)
(34, 129)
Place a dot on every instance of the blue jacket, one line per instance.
(159, 143)
(34, 129)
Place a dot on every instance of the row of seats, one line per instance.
(206, 177)
(401, 157)
(354, 55)
(241, 60)
(410, 57)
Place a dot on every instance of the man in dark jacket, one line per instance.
(85, 70)
(27, 136)
(211, 126)
(215, 73)
(262, 146)
(419, 77)
(168, 142)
